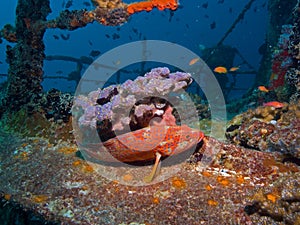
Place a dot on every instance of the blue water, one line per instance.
(190, 26)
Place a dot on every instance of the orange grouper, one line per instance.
(149, 143)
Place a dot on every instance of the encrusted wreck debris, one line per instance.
(253, 178)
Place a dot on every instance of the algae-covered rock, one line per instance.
(268, 129)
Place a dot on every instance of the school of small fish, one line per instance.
(222, 69)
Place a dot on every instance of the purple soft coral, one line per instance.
(122, 103)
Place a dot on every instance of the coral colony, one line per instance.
(285, 59)
(135, 105)
(112, 103)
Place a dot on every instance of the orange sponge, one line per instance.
(149, 5)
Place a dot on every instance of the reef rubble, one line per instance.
(239, 186)
(268, 128)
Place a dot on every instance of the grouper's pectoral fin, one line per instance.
(151, 176)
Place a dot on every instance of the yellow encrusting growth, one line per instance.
(178, 183)
(155, 200)
(39, 198)
(272, 197)
(206, 173)
(77, 163)
(212, 202)
(88, 168)
(222, 180)
(7, 196)
(208, 187)
(240, 179)
(67, 150)
(127, 177)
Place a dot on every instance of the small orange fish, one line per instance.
(193, 61)
(263, 89)
(274, 104)
(233, 69)
(220, 69)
